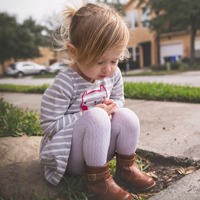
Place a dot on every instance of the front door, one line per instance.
(146, 54)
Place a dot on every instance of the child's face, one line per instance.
(105, 67)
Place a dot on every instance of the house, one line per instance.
(143, 45)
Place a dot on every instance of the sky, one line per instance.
(39, 10)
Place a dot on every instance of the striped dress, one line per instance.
(62, 104)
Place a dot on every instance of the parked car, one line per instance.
(25, 68)
(56, 67)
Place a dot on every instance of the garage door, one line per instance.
(172, 50)
(197, 48)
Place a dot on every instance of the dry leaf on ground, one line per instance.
(188, 170)
(142, 195)
(169, 180)
(192, 168)
(181, 170)
(152, 174)
(151, 194)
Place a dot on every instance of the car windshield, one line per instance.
(54, 64)
(63, 65)
(13, 66)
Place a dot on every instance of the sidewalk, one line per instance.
(169, 129)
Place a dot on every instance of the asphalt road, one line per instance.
(191, 78)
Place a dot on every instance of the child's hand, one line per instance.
(108, 101)
(110, 109)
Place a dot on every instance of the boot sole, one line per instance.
(135, 189)
(143, 190)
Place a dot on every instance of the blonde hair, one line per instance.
(93, 29)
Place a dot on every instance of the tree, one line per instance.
(175, 15)
(35, 31)
(116, 4)
(19, 41)
(28, 38)
(8, 26)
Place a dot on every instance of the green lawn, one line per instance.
(162, 92)
(149, 91)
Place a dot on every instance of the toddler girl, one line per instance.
(82, 117)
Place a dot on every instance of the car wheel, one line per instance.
(20, 74)
(57, 71)
(42, 72)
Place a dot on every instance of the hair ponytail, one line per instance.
(61, 34)
(68, 12)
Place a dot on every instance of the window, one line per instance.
(129, 19)
(28, 65)
(134, 53)
(134, 60)
(13, 66)
(132, 19)
(131, 53)
(137, 54)
(135, 18)
(145, 17)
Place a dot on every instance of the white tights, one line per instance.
(96, 137)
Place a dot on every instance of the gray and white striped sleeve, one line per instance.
(117, 93)
(55, 103)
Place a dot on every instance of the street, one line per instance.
(191, 78)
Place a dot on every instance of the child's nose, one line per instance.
(106, 68)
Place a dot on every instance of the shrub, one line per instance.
(158, 67)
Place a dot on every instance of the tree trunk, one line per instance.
(192, 50)
(158, 47)
(3, 68)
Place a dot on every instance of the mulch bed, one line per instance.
(165, 171)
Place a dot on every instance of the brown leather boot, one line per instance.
(100, 183)
(128, 171)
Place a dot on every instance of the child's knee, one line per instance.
(126, 115)
(97, 115)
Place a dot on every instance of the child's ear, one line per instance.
(72, 50)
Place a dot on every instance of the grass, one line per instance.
(23, 88)
(17, 122)
(45, 76)
(162, 92)
(74, 189)
(148, 91)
